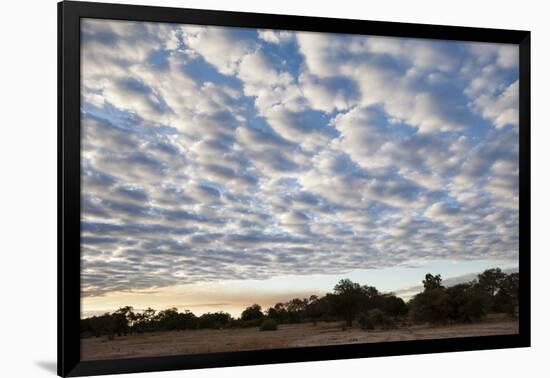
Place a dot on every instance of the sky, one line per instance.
(226, 166)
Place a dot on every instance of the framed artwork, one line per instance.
(239, 188)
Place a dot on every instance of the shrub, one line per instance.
(215, 320)
(268, 325)
(365, 322)
(430, 306)
(251, 323)
(375, 318)
(465, 303)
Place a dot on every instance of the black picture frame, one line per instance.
(69, 15)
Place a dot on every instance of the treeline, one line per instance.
(492, 291)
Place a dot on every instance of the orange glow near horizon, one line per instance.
(234, 296)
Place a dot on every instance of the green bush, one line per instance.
(269, 325)
(462, 303)
(251, 323)
(375, 318)
(465, 303)
(430, 306)
(365, 321)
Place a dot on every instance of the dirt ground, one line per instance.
(287, 336)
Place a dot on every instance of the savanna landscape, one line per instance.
(350, 314)
(246, 189)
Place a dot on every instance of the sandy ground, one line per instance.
(287, 336)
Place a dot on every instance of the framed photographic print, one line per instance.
(239, 188)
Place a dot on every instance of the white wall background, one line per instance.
(28, 186)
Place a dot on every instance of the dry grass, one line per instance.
(287, 336)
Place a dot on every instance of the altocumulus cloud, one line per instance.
(217, 154)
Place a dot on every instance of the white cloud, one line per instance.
(255, 70)
(328, 95)
(215, 153)
(219, 47)
(505, 56)
(276, 37)
(415, 81)
(503, 109)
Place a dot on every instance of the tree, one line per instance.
(144, 320)
(317, 308)
(120, 321)
(167, 319)
(253, 312)
(490, 282)
(346, 300)
(465, 303)
(432, 305)
(278, 313)
(371, 298)
(188, 320)
(127, 313)
(432, 282)
(394, 306)
(349, 301)
(214, 320)
(507, 297)
(296, 309)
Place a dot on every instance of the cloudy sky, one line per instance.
(227, 166)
